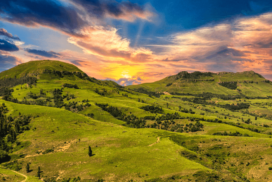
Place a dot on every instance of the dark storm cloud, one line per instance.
(4, 32)
(49, 54)
(8, 46)
(41, 12)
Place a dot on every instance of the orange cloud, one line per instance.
(240, 45)
(106, 43)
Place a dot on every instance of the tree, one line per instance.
(255, 117)
(39, 172)
(167, 104)
(27, 168)
(90, 151)
(3, 156)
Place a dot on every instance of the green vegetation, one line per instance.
(241, 84)
(58, 124)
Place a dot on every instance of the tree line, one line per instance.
(7, 83)
(58, 100)
(152, 109)
(10, 128)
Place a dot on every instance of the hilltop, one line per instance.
(36, 68)
(77, 128)
(246, 83)
(47, 70)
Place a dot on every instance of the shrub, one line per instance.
(67, 85)
(4, 156)
(152, 109)
(48, 151)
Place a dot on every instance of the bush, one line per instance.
(48, 151)
(14, 165)
(188, 155)
(152, 109)
(150, 117)
(67, 85)
(229, 85)
(4, 157)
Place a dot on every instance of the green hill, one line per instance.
(49, 119)
(48, 70)
(247, 83)
(35, 68)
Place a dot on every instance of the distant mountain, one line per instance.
(247, 83)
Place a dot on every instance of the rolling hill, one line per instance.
(247, 83)
(67, 126)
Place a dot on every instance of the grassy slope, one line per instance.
(9, 176)
(182, 85)
(120, 152)
(123, 153)
(34, 68)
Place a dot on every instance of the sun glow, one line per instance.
(117, 71)
(125, 74)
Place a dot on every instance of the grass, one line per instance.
(127, 150)
(58, 139)
(34, 68)
(9, 176)
(182, 85)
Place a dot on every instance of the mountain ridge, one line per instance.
(227, 83)
(248, 83)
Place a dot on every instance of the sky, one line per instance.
(139, 41)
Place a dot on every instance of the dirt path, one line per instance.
(21, 175)
(158, 140)
(166, 93)
(62, 148)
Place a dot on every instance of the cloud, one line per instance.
(68, 16)
(7, 61)
(77, 62)
(238, 45)
(107, 43)
(84, 22)
(119, 10)
(46, 13)
(4, 32)
(8, 46)
(127, 81)
(49, 54)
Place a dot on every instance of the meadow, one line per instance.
(198, 131)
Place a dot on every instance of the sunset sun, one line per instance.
(125, 74)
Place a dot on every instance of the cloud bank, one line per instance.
(238, 44)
